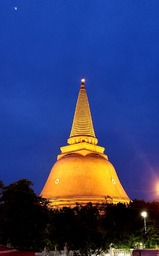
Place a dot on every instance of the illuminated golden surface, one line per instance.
(82, 172)
(82, 127)
(76, 178)
(82, 148)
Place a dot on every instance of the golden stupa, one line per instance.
(82, 172)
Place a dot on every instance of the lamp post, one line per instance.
(144, 215)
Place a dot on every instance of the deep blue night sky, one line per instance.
(45, 49)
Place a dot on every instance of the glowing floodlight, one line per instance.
(144, 215)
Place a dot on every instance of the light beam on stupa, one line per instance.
(82, 172)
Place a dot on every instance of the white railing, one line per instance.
(112, 252)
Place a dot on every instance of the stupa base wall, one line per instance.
(72, 202)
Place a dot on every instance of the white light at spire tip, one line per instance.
(83, 80)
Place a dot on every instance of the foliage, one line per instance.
(27, 223)
(24, 217)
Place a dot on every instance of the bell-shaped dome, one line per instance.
(77, 178)
(82, 172)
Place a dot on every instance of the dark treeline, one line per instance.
(27, 223)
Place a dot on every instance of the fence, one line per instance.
(112, 252)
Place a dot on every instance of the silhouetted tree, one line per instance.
(25, 216)
(27, 223)
(1, 211)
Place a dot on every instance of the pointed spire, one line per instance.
(82, 127)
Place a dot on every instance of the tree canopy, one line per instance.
(24, 216)
(26, 222)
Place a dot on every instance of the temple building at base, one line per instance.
(82, 172)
